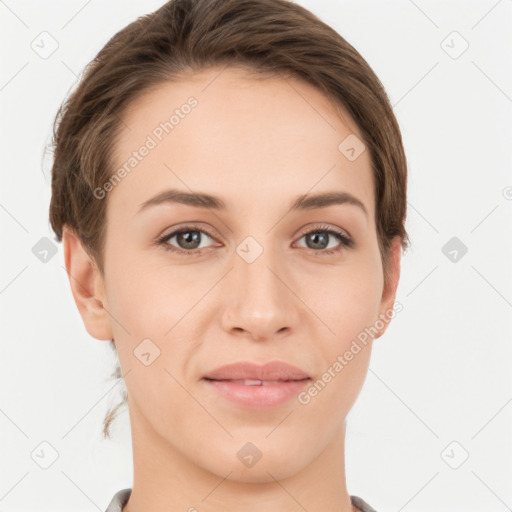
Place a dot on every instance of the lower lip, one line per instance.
(258, 397)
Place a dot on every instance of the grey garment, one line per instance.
(360, 504)
(119, 501)
(121, 498)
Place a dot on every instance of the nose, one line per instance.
(259, 302)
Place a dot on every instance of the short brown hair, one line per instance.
(271, 38)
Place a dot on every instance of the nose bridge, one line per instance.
(260, 302)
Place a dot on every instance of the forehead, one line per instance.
(239, 137)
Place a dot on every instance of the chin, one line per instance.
(271, 466)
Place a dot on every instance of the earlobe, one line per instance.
(86, 286)
(391, 285)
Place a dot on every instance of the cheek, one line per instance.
(148, 301)
(349, 308)
(155, 313)
(348, 299)
(146, 304)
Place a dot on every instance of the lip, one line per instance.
(257, 397)
(280, 382)
(271, 371)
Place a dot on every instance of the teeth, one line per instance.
(256, 382)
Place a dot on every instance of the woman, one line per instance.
(229, 185)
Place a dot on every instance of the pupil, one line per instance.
(315, 237)
(189, 238)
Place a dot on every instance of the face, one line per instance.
(190, 286)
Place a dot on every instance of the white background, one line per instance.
(441, 373)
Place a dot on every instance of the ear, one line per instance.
(87, 286)
(390, 285)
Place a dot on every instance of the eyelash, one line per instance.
(345, 241)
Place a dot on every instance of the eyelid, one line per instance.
(325, 227)
(190, 226)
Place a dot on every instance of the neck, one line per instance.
(165, 480)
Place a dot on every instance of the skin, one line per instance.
(257, 145)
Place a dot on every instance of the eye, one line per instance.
(187, 238)
(319, 240)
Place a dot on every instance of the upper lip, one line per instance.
(271, 371)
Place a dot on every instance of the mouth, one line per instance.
(255, 393)
(257, 382)
(253, 373)
(251, 385)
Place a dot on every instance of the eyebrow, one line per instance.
(202, 200)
